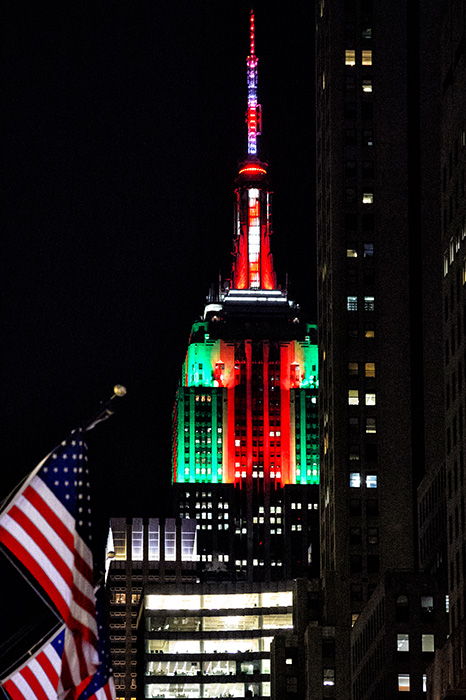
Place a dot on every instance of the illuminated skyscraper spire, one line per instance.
(253, 264)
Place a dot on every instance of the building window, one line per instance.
(353, 369)
(367, 197)
(427, 604)
(369, 303)
(373, 535)
(371, 426)
(402, 642)
(351, 250)
(352, 303)
(402, 608)
(367, 137)
(369, 334)
(368, 250)
(404, 682)
(370, 399)
(355, 563)
(369, 368)
(371, 481)
(427, 641)
(355, 536)
(355, 480)
(350, 57)
(373, 564)
(353, 397)
(367, 57)
(367, 85)
(329, 676)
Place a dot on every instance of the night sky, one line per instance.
(125, 126)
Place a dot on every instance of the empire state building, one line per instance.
(245, 430)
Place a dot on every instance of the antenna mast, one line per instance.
(253, 116)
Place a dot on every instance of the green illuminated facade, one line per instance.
(221, 394)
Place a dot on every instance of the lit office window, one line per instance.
(367, 197)
(137, 539)
(367, 57)
(353, 397)
(329, 676)
(371, 481)
(367, 85)
(350, 57)
(369, 334)
(352, 303)
(371, 426)
(369, 368)
(428, 643)
(355, 480)
(368, 250)
(353, 368)
(370, 399)
(402, 642)
(351, 250)
(369, 303)
(404, 682)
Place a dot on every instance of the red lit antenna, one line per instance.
(252, 50)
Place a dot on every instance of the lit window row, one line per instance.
(350, 57)
(352, 303)
(427, 642)
(404, 682)
(369, 369)
(355, 480)
(352, 250)
(353, 398)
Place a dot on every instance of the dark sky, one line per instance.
(125, 125)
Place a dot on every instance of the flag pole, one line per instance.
(36, 590)
(36, 647)
(104, 412)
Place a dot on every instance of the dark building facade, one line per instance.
(447, 676)
(379, 320)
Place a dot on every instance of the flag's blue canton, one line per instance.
(66, 474)
(58, 643)
(104, 671)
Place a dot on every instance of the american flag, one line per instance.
(37, 678)
(47, 527)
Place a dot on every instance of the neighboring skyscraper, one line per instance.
(245, 436)
(378, 302)
(447, 678)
